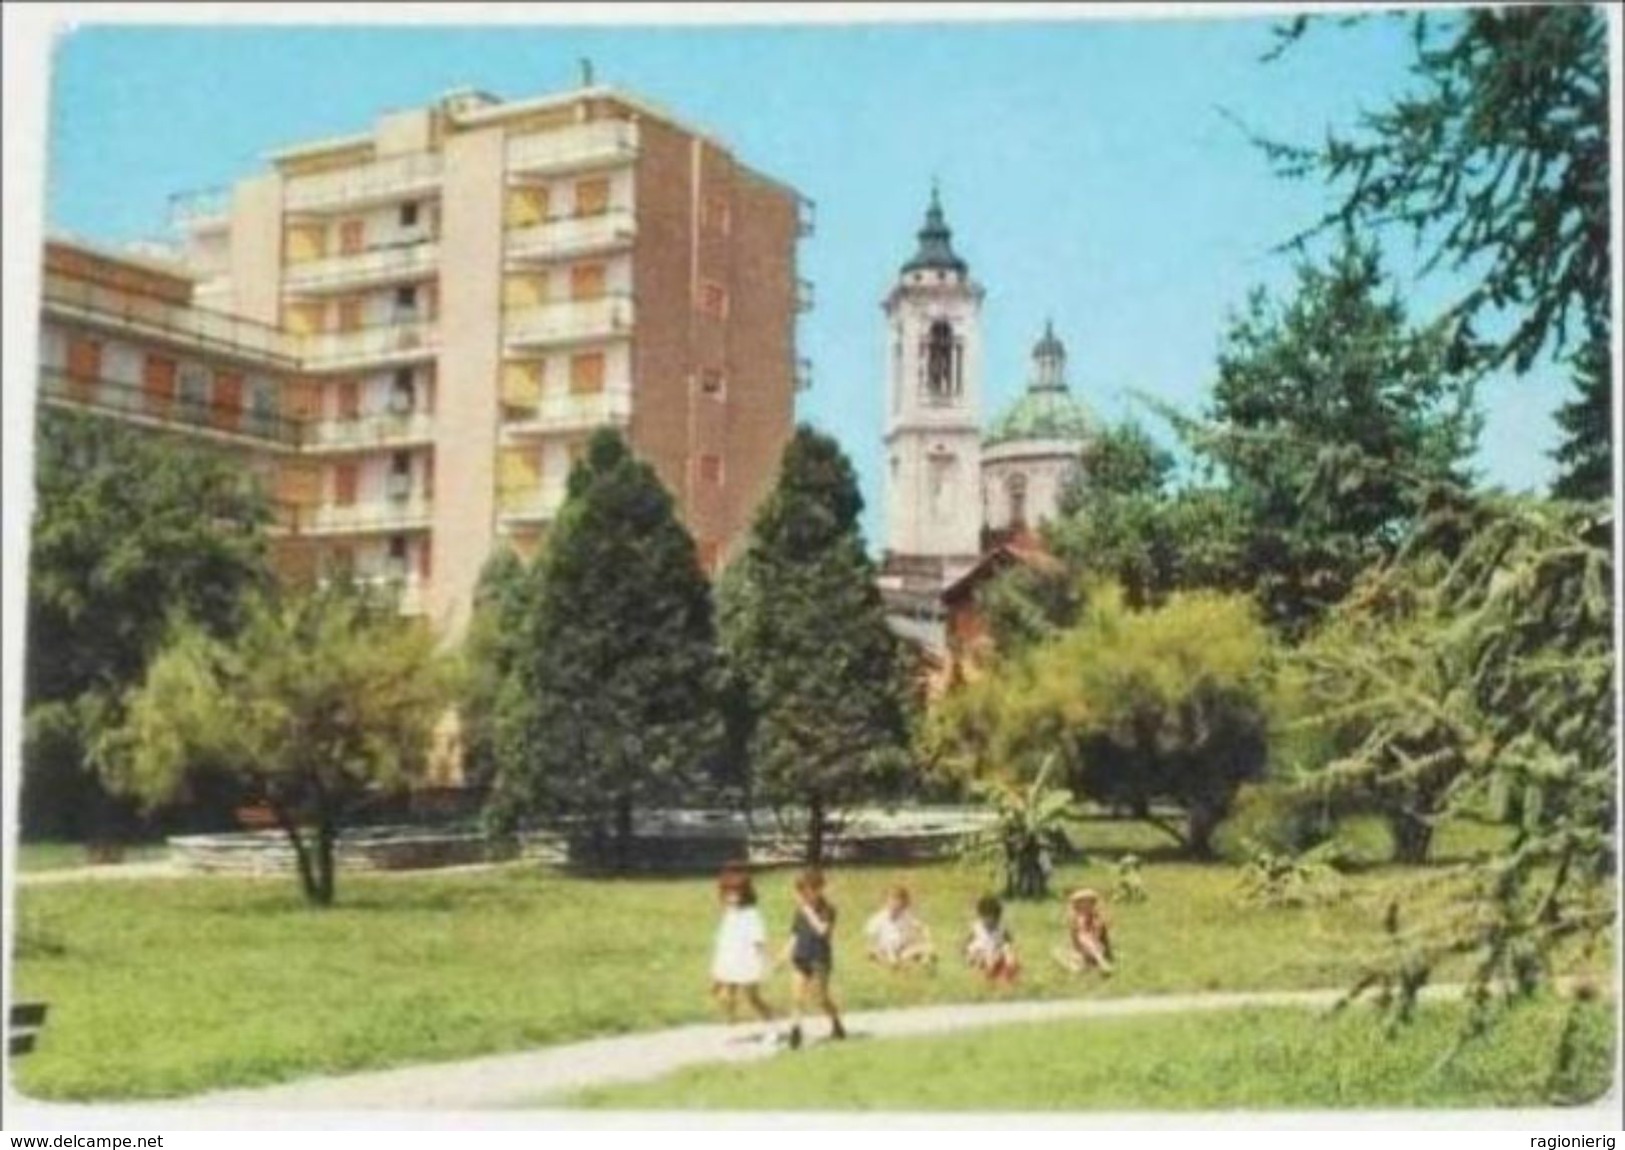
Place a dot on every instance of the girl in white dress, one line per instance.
(739, 961)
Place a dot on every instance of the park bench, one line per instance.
(23, 1027)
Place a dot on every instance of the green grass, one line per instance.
(1254, 1059)
(44, 856)
(168, 987)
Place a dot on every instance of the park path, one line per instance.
(532, 1078)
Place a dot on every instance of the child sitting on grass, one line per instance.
(1089, 941)
(991, 947)
(896, 936)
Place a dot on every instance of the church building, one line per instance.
(956, 491)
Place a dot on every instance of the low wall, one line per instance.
(667, 842)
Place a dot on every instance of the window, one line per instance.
(349, 315)
(714, 300)
(84, 358)
(399, 485)
(587, 373)
(1016, 490)
(340, 561)
(403, 395)
(711, 469)
(348, 399)
(228, 399)
(397, 556)
(712, 382)
(194, 390)
(352, 237)
(941, 358)
(400, 463)
(425, 563)
(592, 197)
(344, 484)
(588, 281)
(158, 383)
(409, 214)
(406, 299)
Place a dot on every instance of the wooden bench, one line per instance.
(26, 1021)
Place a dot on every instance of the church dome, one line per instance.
(1047, 411)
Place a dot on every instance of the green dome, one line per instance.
(1046, 414)
(1048, 410)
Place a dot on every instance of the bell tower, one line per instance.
(933, 410)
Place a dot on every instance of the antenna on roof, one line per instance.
(586, 72)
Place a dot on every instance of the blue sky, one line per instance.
(1085, 168)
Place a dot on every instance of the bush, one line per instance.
(1275, 817)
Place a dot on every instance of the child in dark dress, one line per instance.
(811, 954)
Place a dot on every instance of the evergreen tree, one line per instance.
(615, 706)
(491, 653)
(1497, 160)
(804, 627)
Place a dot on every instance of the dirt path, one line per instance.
(530, 1078)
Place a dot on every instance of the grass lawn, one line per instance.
(168, 987)
(43, 856)
(1280, 1058)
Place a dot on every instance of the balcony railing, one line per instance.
(413, 259)
(388, 179)
(377, 515)
(531, 502)
(397, 342)
(569, 320)
(571, 413)
(573, 235)
(579, 146)
(154, 317)
(408, 590)
(135, 404)
(383, 430)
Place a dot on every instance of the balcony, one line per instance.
(574, 148)
(573, 236)
(381, 181)
(133, 404)
(153, 318)
(556, 413)
(569, 321)
(392, 429)
(409, 591)
(403, 342)
(531, 503)
(804, 375)
(408, 260)
(804, 295)
(806, 216)
(410, 514)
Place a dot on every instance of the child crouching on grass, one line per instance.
(991, 947)
(739, 959)
(897, 937)
(811, 953)
(1089, 940)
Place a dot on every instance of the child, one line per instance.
(991, 948)
(740, 956)
(1088, 935)
(811, 954)
(896, 936)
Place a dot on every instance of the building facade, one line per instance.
(474, 287)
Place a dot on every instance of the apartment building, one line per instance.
(471, 288)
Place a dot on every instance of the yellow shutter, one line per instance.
(526, 207)
(587, 373)
(522, 383)
(306, 242)
(522, 291)
(520, 472)
(302, 318)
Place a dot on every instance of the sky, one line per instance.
(1086, 167)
